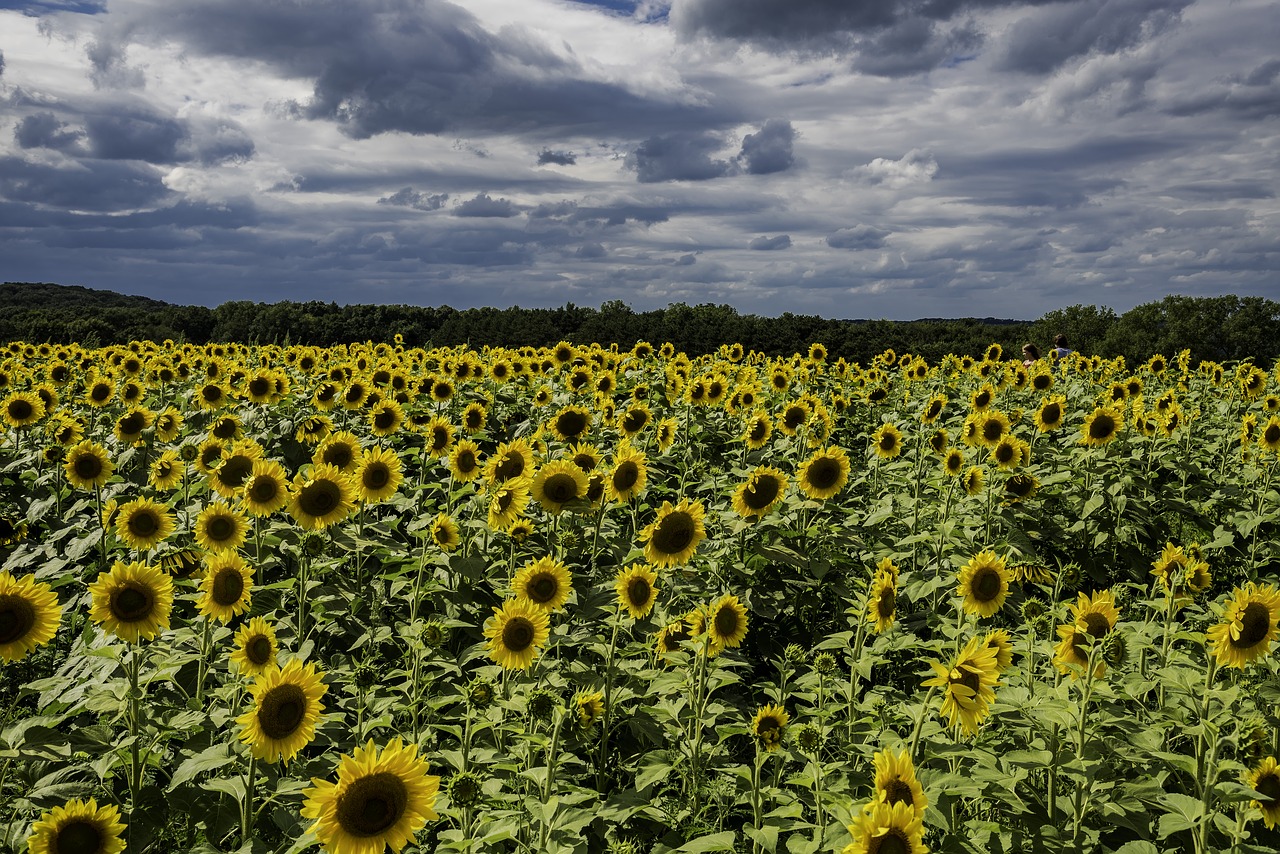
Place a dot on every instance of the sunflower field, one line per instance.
(597, 599)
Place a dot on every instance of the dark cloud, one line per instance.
(686, 260)
(769, 149)
(39, 7)
(553, 210)
(109, 63)
(91, 185)
(914, 45)
(559, 158)
(45, 130)
(1043, 40)
(1263, 75)
(411, 198)
(484, 206)
(137, 135)
(857, 237)
(768, 244)
(679, 157)
(1, 63)
(591, 250)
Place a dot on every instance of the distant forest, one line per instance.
(1224, 328)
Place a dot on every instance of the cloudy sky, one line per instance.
(848, 158)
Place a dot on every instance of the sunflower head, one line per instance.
(768, 727)
(255, 648)
(545, 584)
(895, 781)
(637, 590)
(29, 615)
(1265, 780)
(558, 484)
(322, 499)
(286, 708)
(78, 827)
(1249, 626)
(516, 632)
(983, 584)
(132, 601)
(143, 524)
(968, 685)
(674, 536)
(226, 587)
(726, 623)
(761, 492)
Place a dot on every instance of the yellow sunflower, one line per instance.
(667, 429)
(380, 800)
(1269, 435)
(544, 584)
(1181, 571)
(286, 708)
(1000, 641)
(825, 473)
(220, 528)
(571, 423)
(444, 533)
(29, 615)
(129, 427)
(167, 471)
(1051, 413)
(132, 601)
(992, 427)
(385, 418)
(769, 725)
(726, 623)
(507, 502)
(266, 489)
(321, 499)
(1248, 626)
(510, 460)
(882, 602)
(255, 648)
(78, 826)
(143, 524)
(340, 450)
(895, 781)
(760, 493)
(22, 409)
(515, 632)
(974, 480)
(88, 466)
(474, 417)
(229, 477)
(629, 474)
(313, 430)
(226, 590)
(674, 536)
(559, 483)
(1265, 780)
(968, 684)
(637, 588)
(983, 584)
(587, 707)
(1092, 619)
(464, 461)
(758, 429)
(377, 475)
(1102, 426)
(881, 828)
(887, 441)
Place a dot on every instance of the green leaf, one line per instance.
(209, 759)
(715, 842)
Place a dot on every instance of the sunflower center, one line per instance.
(1255, 625)
(762, 492)
(475, 419)
(131, 423)
(1097, 624)
(898, 792)
(1051, 413)
(674, 533)
(726, 622)
(228, 587)
(281, 710)
(517, 634)
(886, 603)
(376, 476)
(1272, 434)
(561, 488)
(219, 529)
(87, 467)
(625, 476)
(466, 461)
(258, 649)
(1269, 787)
(100, 392)
(263, 490)
(235, 469)
(1102, 427)
(986, 584)
(888, 442)
(638, 591)
(893, 842)
(571, 423)
(320, 498)
(634, 421)
(992, 430)
(971, 680)
(1004, 452)
(78, 837)
(542, 588)
(259, 387)
(794, 417)
(935, 407)
(759, 430)
(512, 465)
(824, 473)
(144, 524)
(17, 617)
(132, 602)
(338, 455)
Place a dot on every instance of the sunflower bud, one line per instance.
(1115, 649)
(794, 653)
(810, 738)
(542, 704)
(313, 545)
(465, 789)
(189, 453)
(1032, 609)
(824, 663)
(480, 693)
(434, 634)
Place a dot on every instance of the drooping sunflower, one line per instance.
(968, 684)
(226, 590)
(266, 489)
(515, 633)
(587, 707)
(1248, 626)
(1000, 641)
(1265, 780)
(1020, 487)
(824, 473)
(637, 588)
(29, 615)
(1101, 426)
(544, 583)
(321, 499)
(666, 434)
(220, 527)
(559, 483)
(78, 826)
(726, 624)
(571, 423)
(769, 725)
(132, 601)
(167, 471)
(88, 466)
(143, 524)
(464, 461)
(974, 480)
(887, 441)
(881, 828)
(673, 537)
(377, 475)
(629, 474)
(882, 602)
(444, 533)
(760, 493)
(895, 781)
(286, 708)
(1093, 618)
(983, 584)
(255, 648)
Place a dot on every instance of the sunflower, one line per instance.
(983, 584)
(1093, 618)
(132, 601)
(673, 537)
(1181, 571)
(1248, 627)
(377, 475)
(982, 398)
(974, 479)
(933, 408)
(128, 428)
(515, 632)
(464, 461)
(671, 638)
(587, 707)
(255, 648)
(768, 726)
(825, 473)
(88, 466)
(385, 418)
(896, 783)
(637, 588)
(1269, 435)
(29, 615)
(340, 450)
(266, 489)
(99, 392)
(570, 423)
(220, 528)
(628, 476)
(758, 430)
(12, 530)
(143, 524)
(1000, 641)
(313, 430)
(227, 428)
(78, 826)
(22, 409)
(726, 623)
(634, 419)
(760, 493)
(510, 460)
(1008, 453)
(322, 498)
(1265, 780)
(666, 434)
(229, 477)
(559, 483)
(168, 425)
(887, 441)
(286, 708)
(167, 471)
(507, 502)
(211, 396)
(225, 591)
(882, 602)
(969, 684)
(953, 462)
(209, 455)
(474, 417)
(882, 828)
(544, 584)
(1101, 426)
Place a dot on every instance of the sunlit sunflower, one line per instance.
(219, 527)
(229, 477)
(266, 489)
(132, 601)
(313, 430)
(824, 473)
(167, 471)
(634, 419)
(507, 502)
(510, 460)
(78, 827)
(769, 725)
(586, 707)
(226, 590)
(129, 426)
(22, 409)
(571, 423)
(1101, 426)
(321, 498)
(286, 708)
(377, 475)
(544, 583)
(887, 441)
(1269, 435)
(1007, 453)
(983, 584)
(515, 633)
(143, 524)
(895, 781)
(255, 648)
(883, 829)
(1265, 780)
(726, 624)
(759, 428)
(1092, 619)
(674, 536)
(637, 589)
(1181, 571)
(557, 484)
(968, 684)
(1248, 626)
(974, 479)
(1000, 641)
(99, 392)
(88, 466)
(29, 615)
(340, 450)
(464, 461)
(882, 602)
(760, 492)
(385, 418)
(933, 408)
(667, 428)
(1020, 487)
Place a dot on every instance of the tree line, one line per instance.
(1223, 328)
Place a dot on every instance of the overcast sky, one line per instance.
(848, 158)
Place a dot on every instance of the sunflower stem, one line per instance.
(853, 668)
(202, 669)
(915, 735)
(135, 727)
(601, 754)
(756, 810)
(1078, 801)
(246, 806)
(549, 782)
